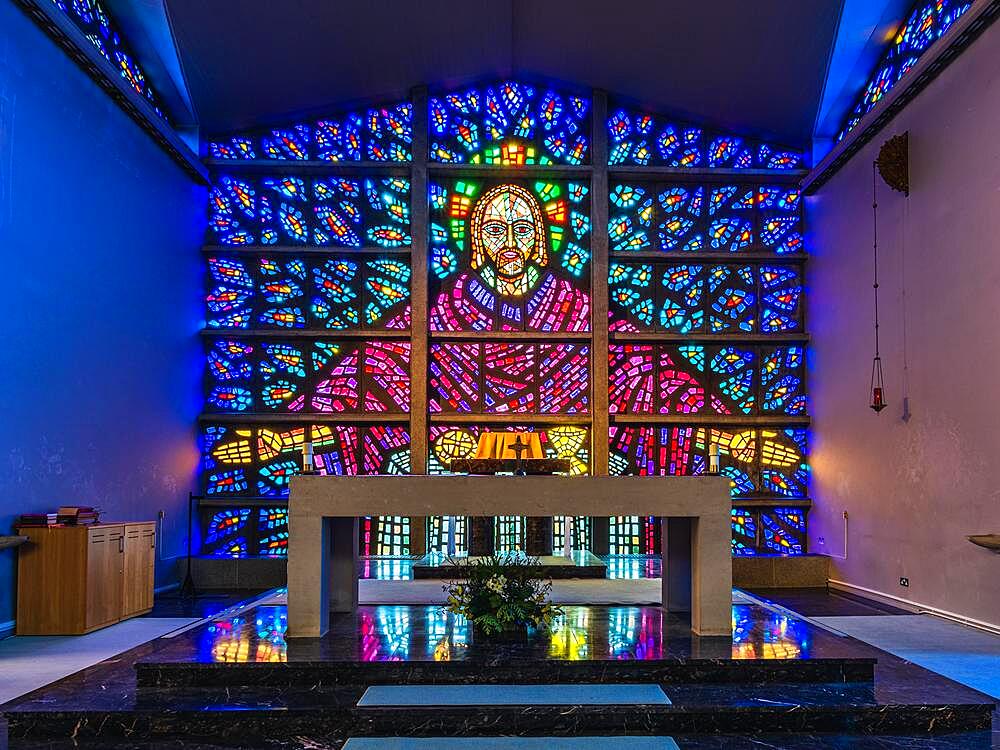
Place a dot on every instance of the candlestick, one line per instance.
(307, 458)
(713, 458)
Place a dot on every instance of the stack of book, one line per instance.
(77, 515)
(26, 520)
(67, 515)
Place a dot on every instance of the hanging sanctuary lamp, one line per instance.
(891, 164)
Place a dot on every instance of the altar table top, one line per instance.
(413, 495)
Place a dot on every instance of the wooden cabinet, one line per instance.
(140, 556)
(75, 579)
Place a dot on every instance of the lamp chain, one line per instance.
(875, 244)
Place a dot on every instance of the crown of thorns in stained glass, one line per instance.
(927, 22)
(510, 124)
(643, 139)
(382, 134)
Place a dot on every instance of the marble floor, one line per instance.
(779, 681)
(30, 662)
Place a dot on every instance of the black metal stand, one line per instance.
(187, 588)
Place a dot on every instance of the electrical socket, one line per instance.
(905, 582)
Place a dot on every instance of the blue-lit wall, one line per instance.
(100, 234)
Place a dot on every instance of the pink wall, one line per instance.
(914, 488)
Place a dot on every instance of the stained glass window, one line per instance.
(339, 292)
(91, 17)
(438, 531)
(582, 533)
(783, 530)
(697, 378)
(643, 139)
(928, 21)
(460, 441)
(680, 218)
(509, 256)
(625, 535)
(705, 309)
(758, 461)
(499, 378)
(319, 211)
(318, 376)
(508, 533)
(258, 460)
(385, 535)
(381, 134)
(241, 531)
(509, 124)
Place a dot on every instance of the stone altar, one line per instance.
(323, 514)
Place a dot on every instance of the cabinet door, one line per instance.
(140, 557)
(105, 564)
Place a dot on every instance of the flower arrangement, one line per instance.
(501, 594)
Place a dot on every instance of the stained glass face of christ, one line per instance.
(508, 240)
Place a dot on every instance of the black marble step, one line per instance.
(214, 724)
(502, 670)
(806, 741)
(332, 713)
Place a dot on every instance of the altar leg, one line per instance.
(539, 536)
(343, 566)
(675, 546)
(698, 573)
(712, 575)
(481, 536)
(308, 576)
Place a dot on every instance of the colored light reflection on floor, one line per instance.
(257, 638)
(404, 633)
(777, 637)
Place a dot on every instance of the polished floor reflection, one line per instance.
(429, 633)
(619, 566)
(238, 676)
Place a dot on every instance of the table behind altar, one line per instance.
(324, 511)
